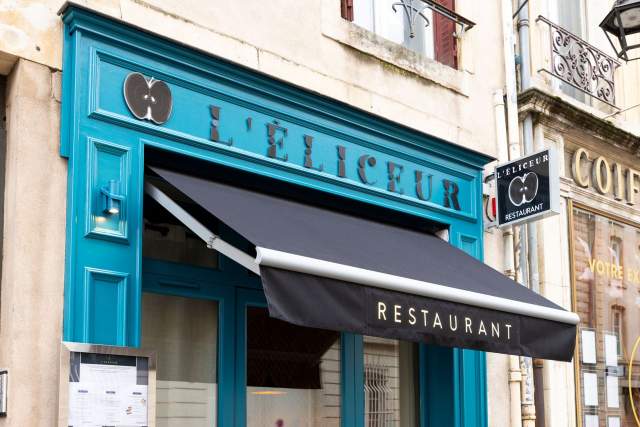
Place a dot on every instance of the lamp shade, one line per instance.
(622, 27)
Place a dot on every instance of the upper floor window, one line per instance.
(582, 71)
(570, 18)
(615, 257)
(617, 325)
(409, 23)
(615, 250)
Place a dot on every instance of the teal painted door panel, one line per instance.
(105, 297)
(470, 383)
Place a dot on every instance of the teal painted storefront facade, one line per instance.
(234, 118)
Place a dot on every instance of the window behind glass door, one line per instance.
(292, 373)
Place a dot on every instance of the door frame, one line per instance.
(233, 297)
(173, 279)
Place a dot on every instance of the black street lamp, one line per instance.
(623, 23)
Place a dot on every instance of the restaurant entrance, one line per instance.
(203, 195)
(208, 321)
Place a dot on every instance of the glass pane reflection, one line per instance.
(184, 333)
(390, 382)
(293, 374)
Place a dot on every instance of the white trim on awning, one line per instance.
(347, 273)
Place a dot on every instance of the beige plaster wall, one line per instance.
(307, 44)
(33, 246)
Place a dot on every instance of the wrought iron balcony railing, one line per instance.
(415, 8)
(581, 65)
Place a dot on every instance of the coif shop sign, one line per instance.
(527, 188)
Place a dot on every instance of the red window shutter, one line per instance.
(346, 8)
(444, 41)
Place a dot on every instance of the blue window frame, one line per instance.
(104, 142)
(436, 396)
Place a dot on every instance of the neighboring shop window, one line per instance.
(615, 250)
(606, 279)
(184, 333)
(390, 383)
(436, 40)
(293, 374)
(617, 322)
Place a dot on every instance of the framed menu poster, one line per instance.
(106, 386)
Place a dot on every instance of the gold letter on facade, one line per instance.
(618, 182)
(576, 167)
(632, 188)
(601, 178)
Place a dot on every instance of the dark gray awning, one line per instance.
(335, 271)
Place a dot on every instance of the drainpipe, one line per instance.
(513, 152)
(510, 80)
(503, 156)
(528, 407)
(532, 227)
(527, 138)
(515, 375)
(512, 119)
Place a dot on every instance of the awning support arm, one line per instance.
(211, 239)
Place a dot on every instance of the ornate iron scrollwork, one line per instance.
(415, 8)
(411, 12)
(581, 65)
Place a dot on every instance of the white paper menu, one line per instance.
(588, 346)
(613, 422)
(107, 390)
(613, 396)
(590, 387)
(611, 350)
(591, 421)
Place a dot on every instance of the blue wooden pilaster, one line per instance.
(102, 293)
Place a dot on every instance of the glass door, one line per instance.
(184, 333)
(291, 373)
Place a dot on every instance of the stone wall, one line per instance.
(33, 246)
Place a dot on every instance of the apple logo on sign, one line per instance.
(523, 189)
(148, 99)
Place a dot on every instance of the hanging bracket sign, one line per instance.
(527, 189)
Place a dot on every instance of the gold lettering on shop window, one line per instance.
(605, 177)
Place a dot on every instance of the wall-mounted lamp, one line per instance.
(111, 198)
(622, 28)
